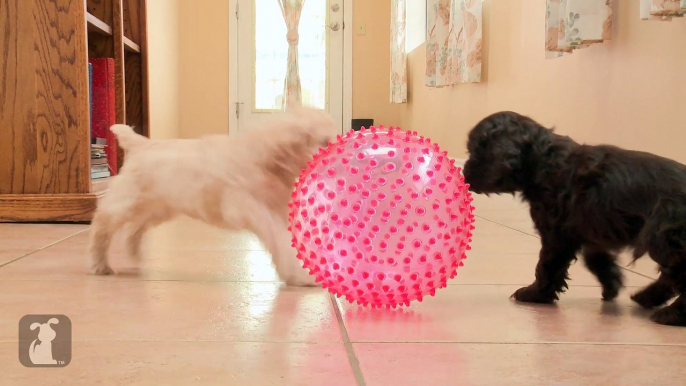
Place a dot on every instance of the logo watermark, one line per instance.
(45, 341)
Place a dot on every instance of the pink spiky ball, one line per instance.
(382, 217)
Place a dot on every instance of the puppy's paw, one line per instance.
(649, 299)
(611, 288)
(102, 269)
(532, 294)
(670, 316)
(612, 285)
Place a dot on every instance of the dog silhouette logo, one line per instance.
(45, 341)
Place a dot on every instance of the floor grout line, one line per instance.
(538, 237)
(531, 343)
(508, 227)
(42, 248)
(350, 350)
(119, 280)
(457, 342)
(327, 342)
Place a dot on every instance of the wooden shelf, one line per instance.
(47, 207)
(130, 46)
(98, 26)
(115, 29)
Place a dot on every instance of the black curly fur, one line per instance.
(593, 200)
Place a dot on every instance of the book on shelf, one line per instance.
(103, 108)
(96, 175)
(99, 165)
(99, 168)
(99, 141)
(98, 152)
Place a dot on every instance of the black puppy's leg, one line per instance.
(664, 238)
(675, 313)
(655, 294)
(554, 259)
(604, 266)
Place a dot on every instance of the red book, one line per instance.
(103, 107)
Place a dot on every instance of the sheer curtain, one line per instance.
(398, 52)
(292, 93)
(453, 42)
(575, 24)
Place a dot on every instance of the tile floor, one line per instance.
(207, 309)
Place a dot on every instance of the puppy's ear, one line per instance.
(531, 138)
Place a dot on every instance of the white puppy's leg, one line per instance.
(134, 242)
(102, 230)
(273, 233)
(260, 222)
(264, 229)
(295, 274)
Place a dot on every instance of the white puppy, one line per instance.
(237, 183)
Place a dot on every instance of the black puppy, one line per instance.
(596, 200)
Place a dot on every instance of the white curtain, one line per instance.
(575, 24)
(292, 93)
(662, 9)
(453, 42)
(398, 52)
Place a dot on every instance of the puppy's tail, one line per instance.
(126, 137)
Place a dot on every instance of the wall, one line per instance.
(630, 91)
(204, 67)
(371, 63)
(163, 62)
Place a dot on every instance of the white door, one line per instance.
(260, 54)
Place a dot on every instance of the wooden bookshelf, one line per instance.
(44, 112)
(130, 46)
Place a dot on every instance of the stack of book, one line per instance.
(102, 114)
(99, 166)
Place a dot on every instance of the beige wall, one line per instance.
(188, 43)
(630, 91)
(371, 64)
(163, 62)
(204, 67)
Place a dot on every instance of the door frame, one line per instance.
(347, 65)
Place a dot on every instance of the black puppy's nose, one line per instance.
(467, 172)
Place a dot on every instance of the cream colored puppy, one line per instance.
(242, 182)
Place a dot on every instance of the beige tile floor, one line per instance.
(207, 308)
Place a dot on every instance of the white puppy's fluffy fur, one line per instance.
(237, 183)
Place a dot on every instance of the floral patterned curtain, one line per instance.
(292, 93)
(453, 42)
(574, 24)
(662, 9)
(398, 53)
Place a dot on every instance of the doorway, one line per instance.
(258, 59)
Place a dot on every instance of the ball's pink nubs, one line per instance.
(382, 217)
